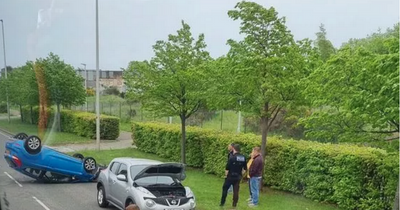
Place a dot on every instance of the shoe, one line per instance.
(252, 205)
(221, 205)
(249, 200)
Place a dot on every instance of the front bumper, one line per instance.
(165, 204)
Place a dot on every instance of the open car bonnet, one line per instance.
(174, 170)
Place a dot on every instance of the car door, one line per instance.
(112, 178)
(120, 188)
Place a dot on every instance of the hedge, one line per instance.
(350, 176)
(80, 123)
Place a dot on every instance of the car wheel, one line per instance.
(89, 164)
(21, 136)
(33, 145)
(101, 197)
(78, 155)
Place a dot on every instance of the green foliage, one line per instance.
(111, 91)
(324, 46)
(357, 91)
(3, 107)
(80, 123)
(175, 81)
(63, 84)
(353, 177)
(265, 70)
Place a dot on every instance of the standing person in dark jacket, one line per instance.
(230, 154)
(255, 173)
(233, 173)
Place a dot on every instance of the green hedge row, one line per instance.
(80, 123)
(353, 177)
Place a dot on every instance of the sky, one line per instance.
(129, 28)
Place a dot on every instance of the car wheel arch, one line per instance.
(129, 198)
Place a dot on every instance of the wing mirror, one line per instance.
(121, 177)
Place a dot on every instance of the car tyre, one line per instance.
(101, 197)
(33, 145)
(21, 136)
(89, 164)
(78, 155)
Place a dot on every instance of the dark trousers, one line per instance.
(227, 184)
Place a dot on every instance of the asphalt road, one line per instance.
(23, 193)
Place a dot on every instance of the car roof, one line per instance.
(136, 161)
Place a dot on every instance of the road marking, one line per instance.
(20, 185)
(41, 203)
(7, 136)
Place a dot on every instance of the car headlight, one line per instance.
(150, 203)
(192, 203)
(189, 193)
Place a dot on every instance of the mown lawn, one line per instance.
(207, 188)
(52, 137)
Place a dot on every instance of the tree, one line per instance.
(265, 69)
(324, 46)
(63, 85)
(174, 81)
(359, 90)
(111, 91)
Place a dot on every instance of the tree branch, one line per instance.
(273, 118)
(195, 109)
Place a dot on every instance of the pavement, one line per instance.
(123, 141)
(24, 193)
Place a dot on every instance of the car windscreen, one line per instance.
(151, 180)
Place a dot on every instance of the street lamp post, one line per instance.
(5, 69)
(97, 79)
(86, 104)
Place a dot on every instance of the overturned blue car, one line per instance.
(27, 155)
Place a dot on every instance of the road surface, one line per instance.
(23, 193)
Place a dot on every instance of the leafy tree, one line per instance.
(376, 42)
(64, 86)
(324, 46)
(265, 69)
(358, 89)
(111, 91)
(174, 81)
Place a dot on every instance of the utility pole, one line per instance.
(239, 117)
(97, 79)
(86, 104)
(5, 69)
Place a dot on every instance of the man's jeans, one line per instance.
(255, 189)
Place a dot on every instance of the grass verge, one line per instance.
(207, 188)
(51, 136)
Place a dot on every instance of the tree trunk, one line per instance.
(58, 118)
(183, 141)
(396, 200)
(264, 134)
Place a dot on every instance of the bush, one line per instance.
(353, 177)
(3, 107)
(80, 123)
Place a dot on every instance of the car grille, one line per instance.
(169, 201)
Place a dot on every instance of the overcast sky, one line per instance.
(129, 28)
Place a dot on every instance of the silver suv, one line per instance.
(151, 185)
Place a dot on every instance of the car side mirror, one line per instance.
(121, 177)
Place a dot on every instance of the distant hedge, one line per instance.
(80, 123)
(353, 177)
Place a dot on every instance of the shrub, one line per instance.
(80, 123)
(351, 176)
(3, 107)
